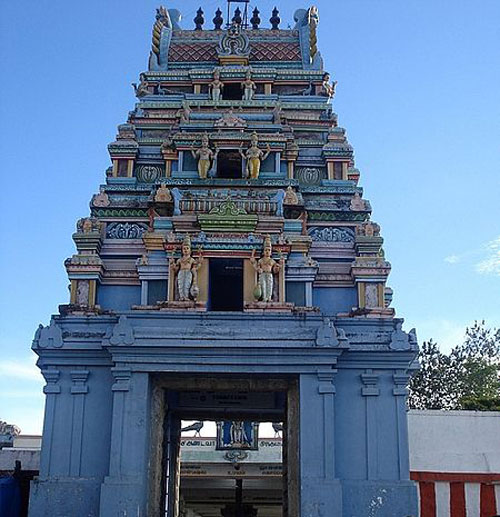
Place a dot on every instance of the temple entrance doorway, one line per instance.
(225, 284)
(236, 455)
(229, 164)
(239, 480)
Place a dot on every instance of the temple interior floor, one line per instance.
(207, 497)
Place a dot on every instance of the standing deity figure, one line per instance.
(254, 157)
(265, 268)
(327, 88)
(238, 435)
(216, 87)
(82, 292)
(186, 269)
(248, 87)
(205, 157)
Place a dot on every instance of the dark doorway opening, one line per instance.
(229, 164)
(240, 489)
(232, 92)
(205, 414)
(226, 284)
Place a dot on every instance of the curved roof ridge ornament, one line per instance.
(313, 22)
(162, 20)
(166, 21)
(306, 22)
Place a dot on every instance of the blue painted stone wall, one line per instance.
(116, 297)
(96, 450)
(334, 300)
(76, 444)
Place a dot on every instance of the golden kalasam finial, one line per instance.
(313, 21)
(162, 19)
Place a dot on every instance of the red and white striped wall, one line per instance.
(445, 494)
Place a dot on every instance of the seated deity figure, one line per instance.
(327, 88)
(248, 87)
(205, 157)
(186, 269)
(254, 157)
(184, 113)
(277, 113)
(142, 89)
(265, 268)
(216, 87)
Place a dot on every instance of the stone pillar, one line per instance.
(130, 168)
(124, 148)
(291, 154)
(321, 492)
(281, 285)
(79, 390)
(144, 292)
(124, 491)
(330, 164)
(345, 168)
(154, 267)
(70, 478)
(370, 390)
(169, 155)
(400, 392)
(52, 389)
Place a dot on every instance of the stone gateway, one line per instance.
(229, 272)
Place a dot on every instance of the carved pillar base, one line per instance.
(182, 306)
(268, 307)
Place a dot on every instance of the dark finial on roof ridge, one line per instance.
(275, 19)
(218, 20)
(199, 20)
(237, 16)
(255, 19)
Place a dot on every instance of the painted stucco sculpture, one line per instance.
(263, 180)
(205, 157)
(254, 157)
(266, 267)
(186, 270)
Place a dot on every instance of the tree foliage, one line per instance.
(9, 429)
(466, 378)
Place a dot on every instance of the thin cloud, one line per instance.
(23, 394)
(20, 370)
(491, 264)
(446, 333)
(452, 259)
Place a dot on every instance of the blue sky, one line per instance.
(418, 92)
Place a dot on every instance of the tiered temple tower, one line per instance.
(230, 250)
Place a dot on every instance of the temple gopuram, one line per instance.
(228, 272)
